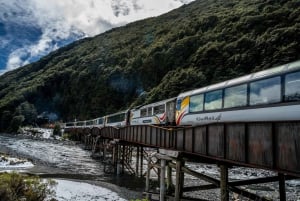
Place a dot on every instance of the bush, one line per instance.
(16, 123)
(16, 187)
(57, 130)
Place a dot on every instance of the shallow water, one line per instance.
(54, 159)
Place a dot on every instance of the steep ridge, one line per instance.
(205, 42)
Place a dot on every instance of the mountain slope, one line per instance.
(198, 44)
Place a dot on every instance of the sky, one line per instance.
(30, 29)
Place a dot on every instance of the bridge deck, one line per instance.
(267, 145)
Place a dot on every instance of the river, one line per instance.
(68, 163)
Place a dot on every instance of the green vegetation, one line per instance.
(17, 187)
(198, 44)
(57, 130)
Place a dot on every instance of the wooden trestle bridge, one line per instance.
(273, 146)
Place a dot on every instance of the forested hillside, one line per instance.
(205, 42)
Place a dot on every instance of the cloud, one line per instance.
(68, 20)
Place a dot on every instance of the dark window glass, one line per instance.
(292, 87)
(89, 123)
(81, 123)
(143, 112)
(235, 96)
(100, 121)
(178, 105)
(116, 118)
(149, 111)
(159, 109)
(213, 100)
(196, 103)
(265, 91)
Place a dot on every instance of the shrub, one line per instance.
(15, 187)
(57, 130)
(16, 123)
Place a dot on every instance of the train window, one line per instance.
(143, 112)
(80, 123)
(292, 87)
(149, 111)
(265, 91)
(88, 123)
(116, 118)
(235, 96)
(100, 121)
(196, 103)
(178, 105)
(213, 100)
(159, 109)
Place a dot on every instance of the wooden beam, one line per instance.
(201, 176)
(141, 161)
(224, 183)
(199, 188)
(179, 180)
(282, 192)
(162, 180)
(169, 178)
(247, 194)
(137, 157)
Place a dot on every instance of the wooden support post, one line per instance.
(137, 161)
(169, 178)
(179, 180)
(148, 178)
(162, 179)
(224, 183)
(118, 159)
(141, 161)
(123, 159)
(104, 150)
(282, 187)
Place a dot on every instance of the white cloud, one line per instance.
(61, 19)
(15, 61)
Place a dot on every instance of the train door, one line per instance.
(170, 109)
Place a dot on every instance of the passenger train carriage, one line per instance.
(162, 112)
(117, 119)
(269, 95)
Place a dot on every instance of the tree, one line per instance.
(5, 119)
(28, 111)
(16, 123)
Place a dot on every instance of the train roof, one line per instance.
(155, 104)
(250, 77)
(120, 112)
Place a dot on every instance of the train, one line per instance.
(268, 95)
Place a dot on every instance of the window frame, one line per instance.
(194, 95)
(222, 99)
(159, 107)
(284, 96)
(247, 95)
(266, 78)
